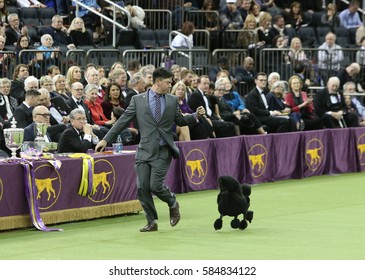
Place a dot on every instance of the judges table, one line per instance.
(251, 159)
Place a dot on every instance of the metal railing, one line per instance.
(113, 21)
(158, 19)
(7, 64)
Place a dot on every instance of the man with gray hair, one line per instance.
(14, 31)
(137, 85)
(329, 104)
(59, 34)
(78, 137)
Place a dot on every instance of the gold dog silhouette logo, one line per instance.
(196, 166)
(49, 185)
(257, 157)
(314, 152)
(103, 180)
(360, 145)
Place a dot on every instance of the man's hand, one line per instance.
(100, 146)
(200, 111)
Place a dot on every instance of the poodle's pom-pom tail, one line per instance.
(218, 224)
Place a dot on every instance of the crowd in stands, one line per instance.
(89, 100)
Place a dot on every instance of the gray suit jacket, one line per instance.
(151, 131)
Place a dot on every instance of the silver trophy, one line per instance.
(13, 138)
(40, 130)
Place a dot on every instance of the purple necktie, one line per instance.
(158, 108)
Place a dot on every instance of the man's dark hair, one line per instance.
(133, 64)
(118, 112)
(161, 73)
(260, 74)
(51, 68)
(32, 92)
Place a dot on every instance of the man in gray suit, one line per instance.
(155, 112)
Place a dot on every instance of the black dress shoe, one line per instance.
(174, 215)
(149, 227)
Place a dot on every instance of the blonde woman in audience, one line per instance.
(78, 33)
(73, 75)
(248, 38)
(263, 29)
(59, 88)
(296, 52)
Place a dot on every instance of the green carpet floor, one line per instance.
(313, 218)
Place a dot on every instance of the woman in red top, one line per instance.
(300, 103)
(97, 114)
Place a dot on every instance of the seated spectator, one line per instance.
(295, 18)
(112, 99)
(97, 114)
(349, 89)
(25, 57)
(57, 107)
(211, 22)
(73, 75)
(59, 89)
(78, 33)
(276, 102)
(92, 77)
(116, 66)
(59, 34)
(198, 98)
(23, 113)
(349, 17)
(147, 75)
(186, 39)
(255, 10)
(137, 85)
(248, 38)
(50, 54)
(53, 70)
(7, 103)
(176, 70)
(30, 4)
(247, 72)
(230, 107)
(41, 114)
(230, 17)
(14, 31)
(244, 8)
(330, 56)
(296, 52)
(200, 130)
(300, 103)
(20, 73)
(330, 18)
(349, 73)
(3, 13)
(257, 103)
(79, 136)
(264, 28)
(278, 28)
(330, 106)
(119, 76)
(90, 19)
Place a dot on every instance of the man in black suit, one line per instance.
(329, 104)
(23, 113)
(199, 99)
(59, 34)
(137, 85)
(78, 137)
(57, 107)
(257, 104)
(13, 31)
(247, 72)
(76, 101)
(42, 115)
